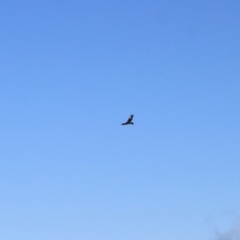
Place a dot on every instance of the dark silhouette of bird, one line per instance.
(129, 121)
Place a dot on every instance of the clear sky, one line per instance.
(72, 72)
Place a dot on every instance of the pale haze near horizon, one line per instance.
(72, 72)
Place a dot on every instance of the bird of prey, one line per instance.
(129, 121)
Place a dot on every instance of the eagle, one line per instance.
(129, 121)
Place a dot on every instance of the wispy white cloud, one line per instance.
(232, 234)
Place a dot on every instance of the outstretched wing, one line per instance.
(130, 119)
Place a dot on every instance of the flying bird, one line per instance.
(129, 121)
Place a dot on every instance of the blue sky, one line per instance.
(72, 72)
